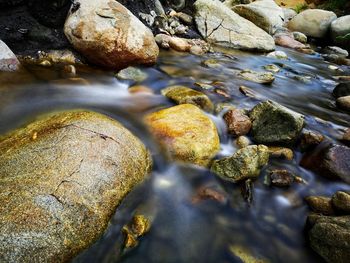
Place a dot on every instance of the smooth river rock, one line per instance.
(340, 28)
(109, 35)
(61, 179)
(220, 25)
(275, 124)
(8, 60)
(266, 14)
(312, 22)
(244, 164)
(186, 132)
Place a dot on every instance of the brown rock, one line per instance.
(281, 152)
(344, 102)
(281, 178)
(288, 41)
(310, 139)
(320, 204)
(341, 202)
(237, 122)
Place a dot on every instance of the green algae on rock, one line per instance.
(61, 179)
(184, 95)
(244, 164)
(186, 132)
(275, 124)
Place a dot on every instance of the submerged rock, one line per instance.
(184, 95)
(310, 139)
(329, 237)
(237, 122)
(8, 60)
(331, 161)
(312, 22)
(186, 132)
(333, 50)
(266, 14)
(275, 124)
(219, 24)
(62, 178)
(258, 77)
(109, 35)
(244, 164)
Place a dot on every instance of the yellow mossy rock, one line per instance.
(186, 132)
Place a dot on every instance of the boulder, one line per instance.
(329, 237)
(186, 132)
(312, 22)
(109, 35)
(8, 60)
(342, 90)
(244, 164)
(237, 122)
(220, 25)
(340, 28)
(330, 161)
(266, 14)
(275, 124)
(62, 178)
(184, 95)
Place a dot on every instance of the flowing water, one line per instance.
(185, 228)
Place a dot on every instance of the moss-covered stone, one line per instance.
(61, 179)
(245, 163)
(186, 132)
(275, 124)
(184, 95)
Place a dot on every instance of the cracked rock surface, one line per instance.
(219, 24)
(61, 179)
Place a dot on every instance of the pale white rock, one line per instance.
(220, 25)
(312, 22)
(266, 14)
(339, 28)
(8, 60)
(108, 34)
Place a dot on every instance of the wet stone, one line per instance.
(273, 68)
(184, 95)
(310, 139)
(258, 77)
(320, 204)
(138, 227)
(280, 178)
(237, 122)
(344, 103)
(242, 141)
(341, 202)
(281, 152)
(132, 73)
(342, 90)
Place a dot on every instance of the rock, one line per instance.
(244, 164)
(344, 103)
(59, 57)
(312, 22)
(281, 178)
(273, 68)
(278, 55)
(8, 60)
(341, 202)
(281, 152)
(209, 193)
(274, 123)
(310, 139)
(342, 90)
(284, 40)
(133, 74)
(258, 77)
(237, 122)
(137, 228)
(298, 36)
(346, 136)
(195, 46)
(330, 161)
(109, 35)
(329, 237)
(266, 14)
(333, 50)
(219, 24)
(245, 255)
(184, 95)
(140, 89)
(320, 204)
(288, 15)
(62, 178)
(187, 133)
(340, 28)
(242, 141)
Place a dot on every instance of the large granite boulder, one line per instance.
(186, 132)
(312, 22)
(109, 35)
(220, 25)
(266, 14)
(61, 179)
